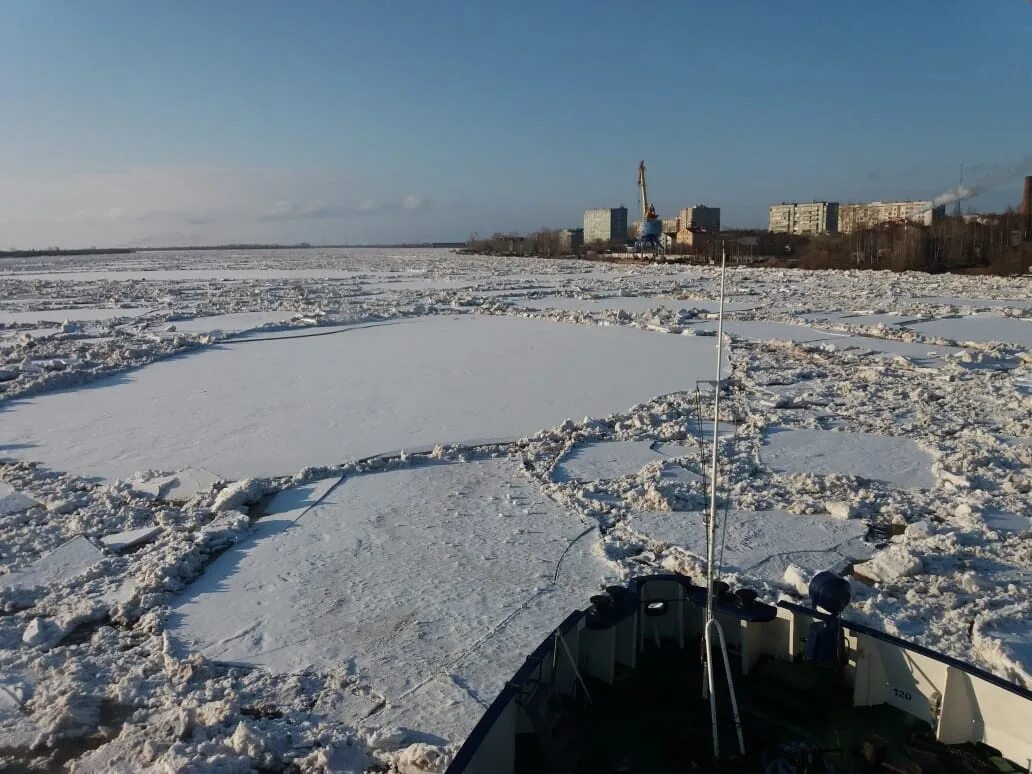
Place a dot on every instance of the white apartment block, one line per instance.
(854, 217)
(804, 218)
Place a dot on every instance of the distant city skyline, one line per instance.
(130, 124)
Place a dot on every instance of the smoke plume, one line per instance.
(994, 178)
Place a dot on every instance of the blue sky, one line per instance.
(192, 122)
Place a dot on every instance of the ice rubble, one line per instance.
(130, 538)
(952, 561)
(179, 486)
(12, 501)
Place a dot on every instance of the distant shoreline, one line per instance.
(301, 246)
(80, 251)
(45, 253)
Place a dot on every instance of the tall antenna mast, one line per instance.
(711, 521)
(960, 191)
(712, 624)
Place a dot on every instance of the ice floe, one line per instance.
(428, 581)
(895, 461)
(759, 544)
(272, 407)
(610, 459)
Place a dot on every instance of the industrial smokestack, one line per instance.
(1026, 210)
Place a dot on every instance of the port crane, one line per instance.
(648, 240)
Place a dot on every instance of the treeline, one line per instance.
(990, 244)
(301, 246)
(539, 244)
(51, 251)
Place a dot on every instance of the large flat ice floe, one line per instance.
(611, 459)
(78, 314)
(274, 407)
(228, 323)
(762, 544)
(432, 583)
(62, 564)
(979, 328)
(630, 304)
(896, 461)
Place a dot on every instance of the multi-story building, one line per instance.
(855, 217)
(605, 225)
(697, 223)
(804, 218)
(570, 239)
(701, 217)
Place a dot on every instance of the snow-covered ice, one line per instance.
(12, 501)
(759, 545)
(979, 328)
(75, 314)
(380, 603)
(896, 461)
(181, 485)
(273, 407)
(60, 565)
(611, 459)
(229, 323)
(976, 303)
(631, 304)
(413, 578)
(131, 538)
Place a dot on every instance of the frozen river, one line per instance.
(186, 497)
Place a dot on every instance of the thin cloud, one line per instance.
(414, 202)
(287, 211)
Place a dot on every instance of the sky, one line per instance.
(207, 121)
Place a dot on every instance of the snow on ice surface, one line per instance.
(979, 328)
(916, 351)
(35, 317)
(213, 274)
(966, 596)
(772, 331)
(8, 338)
(761, 543)
(610, 459)
(229, 323)
(426, 580)
(180, 486)
(896, 461)
(974, 303)
(1008, 522)
(1005, 640)
(630, 304)
(272, 407)
(804, 334)
(61, 564)
(131, 538)
(861, 318)
(12, 501)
